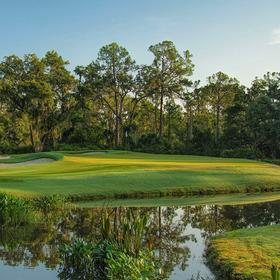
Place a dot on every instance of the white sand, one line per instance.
(27, 163)
(5, 157)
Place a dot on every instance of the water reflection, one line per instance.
(176, 234)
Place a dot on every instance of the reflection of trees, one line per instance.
(165, 235)
(213, 219)
(165, 232)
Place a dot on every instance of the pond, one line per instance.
(178, 235)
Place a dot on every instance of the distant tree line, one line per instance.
(115, 103)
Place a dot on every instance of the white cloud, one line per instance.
(275, 37)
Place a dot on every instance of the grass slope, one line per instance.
(124, 174)
(246, 253)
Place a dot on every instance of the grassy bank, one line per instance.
(246, 254)
(126, 174)
(226, 199)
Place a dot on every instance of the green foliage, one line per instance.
(105, 260)
(128, 232)
(39, 92)
(14, 211)
(114, 103)
(249, 153)
(121, 265)
(275, 273)
(151, 143)
(78, 260)
(120, 254)
(51, 206)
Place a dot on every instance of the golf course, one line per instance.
(121, 174)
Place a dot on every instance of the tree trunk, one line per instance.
(169, 127)
(218, 124)
(36, 142)
(31, 138)
(190, 125)
(155, 116)
(117, 131)
(161, 115)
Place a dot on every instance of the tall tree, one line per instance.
(111, 79)
(38, 91)
(264, 114)
(117, 75)
(169, 74)
(221, 90)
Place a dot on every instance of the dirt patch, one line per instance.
(27, 163)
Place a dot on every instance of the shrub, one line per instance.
(151, 143)
(242, 153)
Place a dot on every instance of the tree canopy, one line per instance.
(114, 103)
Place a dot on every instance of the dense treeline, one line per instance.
(115, 103)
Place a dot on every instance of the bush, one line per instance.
(16, 149)
(248, 153)
(151, 143)
(77, 147)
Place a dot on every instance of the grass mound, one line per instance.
(246, 254)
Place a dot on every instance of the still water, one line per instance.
(178, 235)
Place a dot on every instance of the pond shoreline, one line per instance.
(168, 194)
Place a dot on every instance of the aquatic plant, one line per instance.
(119, 255)
(77, 260)
(275, 273)
(106, 260)
(14, 211)
(126, 228)
(50, 203)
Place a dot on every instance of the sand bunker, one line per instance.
(5, 157)
(27, 163)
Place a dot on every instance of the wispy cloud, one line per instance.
(275, 37)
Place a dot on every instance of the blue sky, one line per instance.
(239, 37)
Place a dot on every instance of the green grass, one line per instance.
(221, 199)
(127, 174)
(246, 253)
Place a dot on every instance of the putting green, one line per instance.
(119, 173)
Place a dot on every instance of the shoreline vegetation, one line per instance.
(108, 175)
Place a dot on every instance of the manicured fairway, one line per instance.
(127, 173)
(247, 253)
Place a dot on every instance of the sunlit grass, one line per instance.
(249, 252)
(126, 173)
